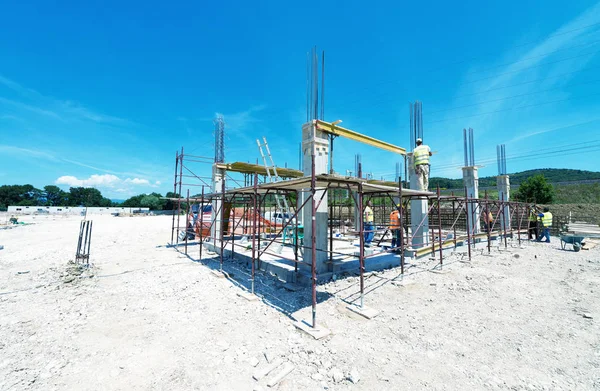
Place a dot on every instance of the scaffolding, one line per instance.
(243, 228)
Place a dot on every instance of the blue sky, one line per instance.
(103, 93)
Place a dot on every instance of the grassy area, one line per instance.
(578, 193)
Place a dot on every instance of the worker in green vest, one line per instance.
(546, 218)
(421, 155)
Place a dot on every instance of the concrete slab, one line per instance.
(218, 273)
(365, 311)
(248, 296)
(318, 332)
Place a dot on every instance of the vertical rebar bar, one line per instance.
(85, 240)
(296, 228)
(453, 218)
(78, 252)
(466, 148)
(467, 221)
(323, 86)
(307, 88)
(412, 126)
(504, 220)
(232, 226)
(313, 239)
(316, 82)
(201, 212)
(439, 200)
(472, 146)
(174, 192)
(179, 192)
(330, 222)
(222, 224)
(361, 252)
(187, 219)
(254, 215)
(89, 243)
(401, 212)
(488, 224)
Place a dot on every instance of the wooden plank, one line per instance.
(287, 368)
(260, 373)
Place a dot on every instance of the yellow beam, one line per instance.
(361, 138)
(248, 168)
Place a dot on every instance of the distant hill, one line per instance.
(553, 175)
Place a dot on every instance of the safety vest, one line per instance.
(395, 220)
(421, 155)
(368, 215)
(533, 217)
(547, 220)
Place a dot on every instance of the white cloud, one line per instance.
(137, 181)
(105, 180)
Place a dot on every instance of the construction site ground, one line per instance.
(147, 317)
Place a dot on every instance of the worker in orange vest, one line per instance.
(395, 226)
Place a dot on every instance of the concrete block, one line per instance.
(318, 332)
(248, 296)
(365, 311)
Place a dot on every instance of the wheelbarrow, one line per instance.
(574, 240)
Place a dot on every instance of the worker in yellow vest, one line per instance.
(546, 218)
(421, 155)
(395, 226)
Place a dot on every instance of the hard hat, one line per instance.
(419, 140)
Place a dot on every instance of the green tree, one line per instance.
(87, 196)
(55, 196)
(535, 189)
(150, 201)
(19, 195)
(133, 202)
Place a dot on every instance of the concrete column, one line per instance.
(418, 211)
(218, 176)
(471, 181)
(315, 142)
(503, 184)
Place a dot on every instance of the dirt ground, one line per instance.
(147, 317)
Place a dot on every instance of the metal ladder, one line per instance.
(282, 204)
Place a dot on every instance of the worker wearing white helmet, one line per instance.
(421, 155)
